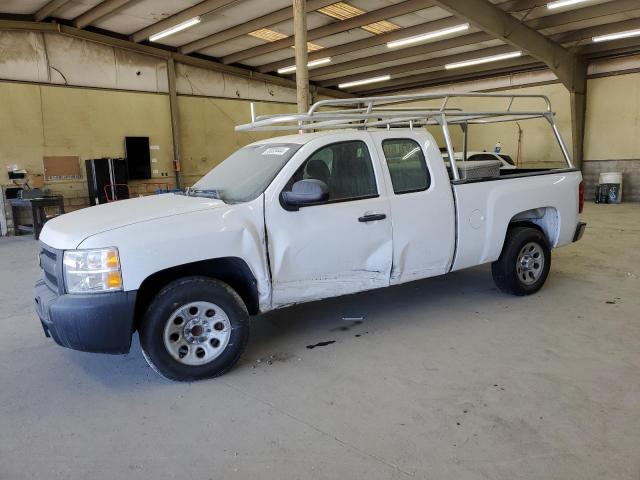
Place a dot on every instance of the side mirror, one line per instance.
(305, 192)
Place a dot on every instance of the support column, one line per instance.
(175, 123)
(302, 72)
(578, 99)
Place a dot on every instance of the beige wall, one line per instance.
(40, 120)
(207, 130)
(613, 118)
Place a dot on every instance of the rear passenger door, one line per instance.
(335, 247)
(421, 204)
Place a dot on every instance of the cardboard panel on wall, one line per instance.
(61, 168)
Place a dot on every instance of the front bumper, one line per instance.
(102, 322)
(579, 231)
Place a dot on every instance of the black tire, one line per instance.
(510, 274)
(160, 318)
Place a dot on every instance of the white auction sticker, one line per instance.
(276, 151)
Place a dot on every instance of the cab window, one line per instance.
(345, 168)
(407, 165)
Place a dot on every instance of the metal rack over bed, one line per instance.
(387, 112)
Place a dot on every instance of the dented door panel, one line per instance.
(324, 250)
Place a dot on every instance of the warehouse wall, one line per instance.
(61, 95)
(44, 120)
(612, 140)
(41, 120)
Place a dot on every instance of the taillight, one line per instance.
(580, 197)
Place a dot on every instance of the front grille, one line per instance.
(51, 264)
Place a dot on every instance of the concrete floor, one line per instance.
(444, 378)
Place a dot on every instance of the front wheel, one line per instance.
(195, 328)
(524, 263)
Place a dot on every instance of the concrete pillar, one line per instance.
(302, 72)
(578, 99)
(175, 123)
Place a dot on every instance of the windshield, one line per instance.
(246, 173)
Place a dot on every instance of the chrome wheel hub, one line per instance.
(530, 263)
(197, 333)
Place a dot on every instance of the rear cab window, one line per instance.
(407, 165)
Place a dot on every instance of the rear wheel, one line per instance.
(194, 328)
(524, 263)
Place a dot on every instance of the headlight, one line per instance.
(90, 271)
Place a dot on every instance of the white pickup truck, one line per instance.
(294, 219)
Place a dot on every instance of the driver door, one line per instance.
(339, 246)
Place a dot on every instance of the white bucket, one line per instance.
(612, 177)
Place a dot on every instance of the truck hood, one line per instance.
(69, 230)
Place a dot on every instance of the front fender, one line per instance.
(149, 247)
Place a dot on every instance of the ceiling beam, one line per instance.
(552, 21)
(182, 16)
(604, 29)
(585, 13)
(479, 74)
(512, 6)
(369, 42)
(48, 9)
(385, 13)
(421, 65)
(624, 46)
(99, 11)
(561, 38)
(615, 47)
(264, 21)
(25, 25)
(399, 54)
(502, 25)
(441, 77)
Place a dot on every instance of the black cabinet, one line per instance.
(107, 180)
(138, 157)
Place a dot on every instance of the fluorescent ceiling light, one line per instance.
(478, 61)
(175, 29)
(311, 64)
(616, 36)
(427, 36)
(564, 3)
(366, 81)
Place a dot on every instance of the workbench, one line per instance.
(38, 213)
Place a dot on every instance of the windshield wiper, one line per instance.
(204, 192)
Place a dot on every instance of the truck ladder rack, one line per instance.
(389, 112)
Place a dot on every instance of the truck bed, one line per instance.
(486, 206)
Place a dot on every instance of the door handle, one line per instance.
(372, 217)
